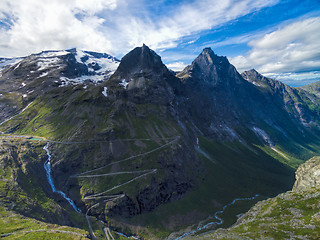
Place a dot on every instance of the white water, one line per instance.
(123, 235)
(219, 220)
(47, 167)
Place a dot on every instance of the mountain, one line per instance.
(134, 146)
(294, 214)
(313, 88)
(299, 103)
(143, 78)
(24, 79)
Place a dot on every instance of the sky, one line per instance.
(278, 38)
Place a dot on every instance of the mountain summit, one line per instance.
(212, 69)
(146, 78)
(141, 60)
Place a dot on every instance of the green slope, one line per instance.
(16, 226)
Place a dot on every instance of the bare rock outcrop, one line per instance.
(308, 175)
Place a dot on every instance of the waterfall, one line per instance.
(47, 167)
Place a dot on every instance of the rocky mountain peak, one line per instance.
(258, 79)
(214, 69)
(141, 60)
(252, 73)
(209, 58)
(146, 78)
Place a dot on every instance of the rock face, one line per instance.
(143, 78)
(308, 175)
(291, 215)
(214, 69)
(299, 103)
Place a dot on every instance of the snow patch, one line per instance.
(17, 66)
(6, 62)
(79, 80)
(107, 63)
(46, 63)
(100, 66)
(264, 136)
(50, 54)
(79, 54)
(124, 83)
(24, 95)
(43, 75)
(23, 84)
(104, 92)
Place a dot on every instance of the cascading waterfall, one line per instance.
(47, 167)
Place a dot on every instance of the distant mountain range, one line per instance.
(149, 152)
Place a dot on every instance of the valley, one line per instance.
(128, 150)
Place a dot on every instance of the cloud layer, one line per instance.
(52, 24)
(292, 48)
(113, 26)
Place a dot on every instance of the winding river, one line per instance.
(219, 220)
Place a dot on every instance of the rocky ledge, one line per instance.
(308, 175)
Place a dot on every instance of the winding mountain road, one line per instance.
(8, 119)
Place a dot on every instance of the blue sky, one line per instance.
(278, 38)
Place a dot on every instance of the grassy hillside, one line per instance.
(16, 226)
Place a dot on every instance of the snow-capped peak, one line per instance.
(72, 66)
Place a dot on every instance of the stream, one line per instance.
(47, 167)
(219, 220)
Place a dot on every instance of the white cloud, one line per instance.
(176, 66)
(52, 24)
(113, 26)
(292, 48)
(296, 79)
(188, 19)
